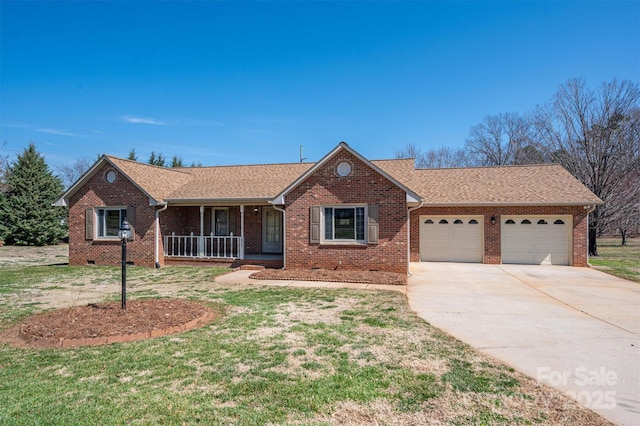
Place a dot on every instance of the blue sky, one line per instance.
(249, 82)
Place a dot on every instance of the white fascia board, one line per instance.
(278, 201)
(216, 201)
(60, 202)
(412, 199)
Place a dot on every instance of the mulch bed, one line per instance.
(104, 323)
(343, 276)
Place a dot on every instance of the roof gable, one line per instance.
(153, 181)
(411, 196)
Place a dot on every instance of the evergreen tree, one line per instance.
(158, 160)
(4, 167)
(176, 161)
(26, 214)
(132, 155)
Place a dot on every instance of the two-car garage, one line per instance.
(532, 239)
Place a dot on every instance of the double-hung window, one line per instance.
(344, 224)
(109, 221)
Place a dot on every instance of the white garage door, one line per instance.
(451, 238)
(536, 240)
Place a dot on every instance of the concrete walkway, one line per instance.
(576, 329)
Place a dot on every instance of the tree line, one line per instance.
(161, 161)
(594, 134)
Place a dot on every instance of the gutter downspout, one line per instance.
(409, 210)
(284, 235)
(589, 209)
(157, 234)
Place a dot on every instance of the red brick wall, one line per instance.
(97, 192)
(363, 186)
(252, 229)
(181, 220)
(492, 248)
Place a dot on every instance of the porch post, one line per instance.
(201, 238)
(241, 231)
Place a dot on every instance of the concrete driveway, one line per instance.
(576, 329)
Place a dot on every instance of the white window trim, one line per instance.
(343, 242)
(96, 227)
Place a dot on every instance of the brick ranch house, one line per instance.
(342, 212)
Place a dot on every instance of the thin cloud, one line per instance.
(15, 125)
(142, 120)
(58, 132)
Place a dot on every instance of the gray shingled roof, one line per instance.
(548, 184)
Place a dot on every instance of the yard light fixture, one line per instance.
(124, 234)
(493, 219)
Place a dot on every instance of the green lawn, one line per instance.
(276, 356)
(621, 261)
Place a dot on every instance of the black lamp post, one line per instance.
(124, 234)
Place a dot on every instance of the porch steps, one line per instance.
(252, 267)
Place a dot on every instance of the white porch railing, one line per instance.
(208, 246)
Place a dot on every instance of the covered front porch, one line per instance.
(229, 234)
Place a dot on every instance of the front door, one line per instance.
(271, 231)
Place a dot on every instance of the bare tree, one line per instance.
(70, 173)
(501, 139)
(625, 217)
(445, 157)
(594, 135)
(433, 158)
(408, 151)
